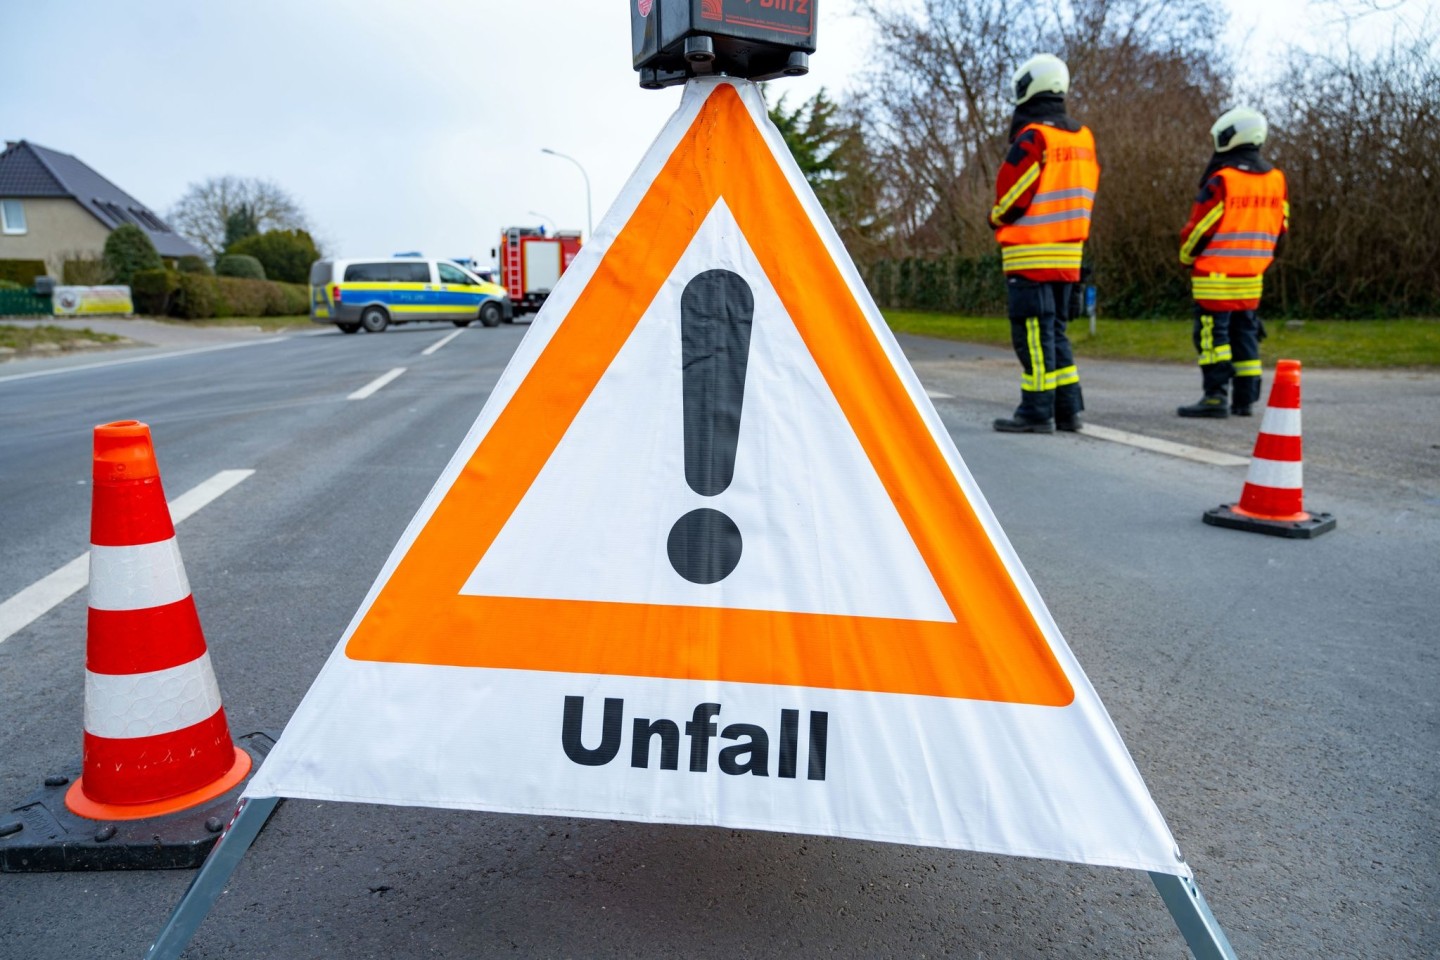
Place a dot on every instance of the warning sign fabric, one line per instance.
(709, 556)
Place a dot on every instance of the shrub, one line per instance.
(128, 249)
(10, 285)
(85, 271)
(286, 255)
(194, 265)
(195, 296)
(297, 299)
(22, 272)
(248, 298)
(239, 265)
(152, 291)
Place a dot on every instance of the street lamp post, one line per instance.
(589, 221)
(551, 220)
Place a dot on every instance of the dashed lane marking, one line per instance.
(375, 385)
(36, 600)
(440, 343)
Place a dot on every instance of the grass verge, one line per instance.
(45, 338)
(1315, 343)
(264, 323)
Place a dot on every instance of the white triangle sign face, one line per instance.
(709, 556)
(616, 485)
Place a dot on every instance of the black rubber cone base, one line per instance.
(1224, 516)
(41, 835)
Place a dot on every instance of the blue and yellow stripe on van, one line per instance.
(415, 299)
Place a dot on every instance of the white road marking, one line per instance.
(36, 600)
(1156, 445)
(193, 499)
(125, 360)
(376, 384)
(937, 395)
(30, 604)
(440, 343)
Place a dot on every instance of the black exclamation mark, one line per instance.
(715, 313)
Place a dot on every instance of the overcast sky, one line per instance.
(397, 126)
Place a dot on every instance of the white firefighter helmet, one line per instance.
(1239, 127)
(1042, 73)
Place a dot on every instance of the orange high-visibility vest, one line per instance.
(1052, 233)
(1251, 219)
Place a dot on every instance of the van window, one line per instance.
(367, 273)
(320, 273)
(410, 272)
(452, 274)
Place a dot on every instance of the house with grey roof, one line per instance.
(53, 207)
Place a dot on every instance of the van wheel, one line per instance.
(349, 327)
(462, 323)
(374, 320)
(490, 314)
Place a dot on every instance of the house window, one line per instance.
(12, 216)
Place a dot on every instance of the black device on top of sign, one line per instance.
(675, 40)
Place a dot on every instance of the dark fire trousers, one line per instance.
(1049, 383)
(1228, 343)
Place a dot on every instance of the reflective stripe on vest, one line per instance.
(1217, 286)
(1243, 244)
(1042, 256)
(1050, 234)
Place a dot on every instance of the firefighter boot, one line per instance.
(1018, 424)
(1068, 403)
(1244, 393)
(1209, 406)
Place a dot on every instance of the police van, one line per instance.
(376, 292)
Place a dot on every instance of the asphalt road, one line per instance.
(1278, 696)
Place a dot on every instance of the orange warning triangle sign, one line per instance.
(993, 649)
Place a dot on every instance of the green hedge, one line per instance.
(152, 290)
(199, 297)
(22, 272)
(950, 284)
(195, 296)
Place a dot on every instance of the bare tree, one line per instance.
(1359, 139)
(1148, 77)
(936, 113)
(202, 213)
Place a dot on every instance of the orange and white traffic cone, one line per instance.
(1273, 499)
(160, 775)
(156, 738)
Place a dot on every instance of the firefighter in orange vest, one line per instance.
(1044, 194)
(1231, 238)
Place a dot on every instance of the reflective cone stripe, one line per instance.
(156, 737)
(1274, 485)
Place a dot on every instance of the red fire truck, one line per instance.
(531, 261)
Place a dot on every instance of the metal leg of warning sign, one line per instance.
(205, 889)
(1192, 915)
